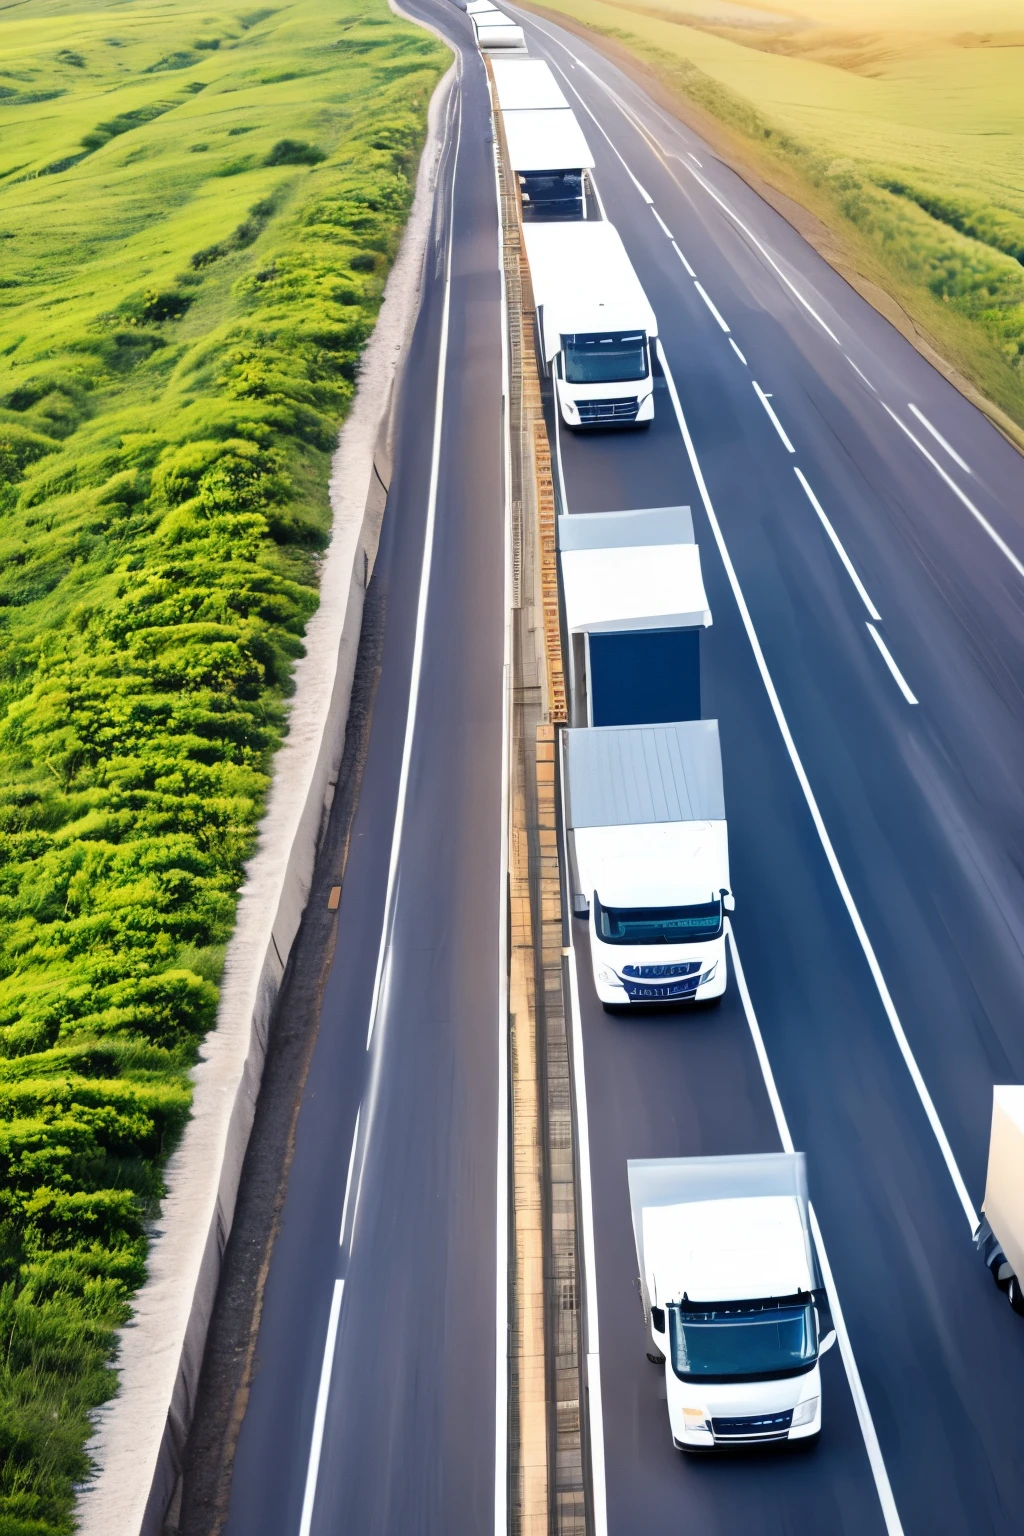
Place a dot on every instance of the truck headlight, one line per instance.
(805, 1412)
(607, 978)
(708, 975)
(694, 1418)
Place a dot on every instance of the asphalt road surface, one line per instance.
(876, 848)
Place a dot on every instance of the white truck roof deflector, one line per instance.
(525, 85)
(626, 775)
(631, 570)
(546, 141)
(722, 1228)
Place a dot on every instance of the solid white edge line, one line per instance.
(661, 221)
(863, 376)
(501, 1319)
(819, 825)
(893, 668)
(883, 1487)
(710, 306)
(348, 1180)
(693, 157)
(840, 551)
(421, 604)
(597, 194)
(739, 354)
(776, 423)
(923, 419)
(593, 1336)
(316, 1444)
(683, 259)
(996, 538)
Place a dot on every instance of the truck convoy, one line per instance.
(732, 1294)
(594, 324)
(1000, 1237)
(649, 859)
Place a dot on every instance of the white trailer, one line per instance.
(1000, 1237)
(636, 613)
(595, 326)
(495, 30)
(649, 859)
(734, 1305)
(551, 159)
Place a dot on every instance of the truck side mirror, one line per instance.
(580, 905)
(728, 901)
(827, 1342)
(658, 1319)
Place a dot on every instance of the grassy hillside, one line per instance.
(899, 122)
(198, 208)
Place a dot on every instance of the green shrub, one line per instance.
(294, 152)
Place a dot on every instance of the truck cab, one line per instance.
(733, 1300)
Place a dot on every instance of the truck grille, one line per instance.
(771, 1426)
(594, 411)
(662, 972)
(660, 991)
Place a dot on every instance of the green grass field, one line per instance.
(198, 210)
(900, 124)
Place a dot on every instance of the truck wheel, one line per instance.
(655, 1357)
(1014, 1295)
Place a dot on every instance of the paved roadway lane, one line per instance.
(409, 1436)
(926, 820)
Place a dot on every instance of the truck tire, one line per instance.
(655, 1357)
(1015, 1295)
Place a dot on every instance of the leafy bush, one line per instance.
(165, 441)
(294, 152)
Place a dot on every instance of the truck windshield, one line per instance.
(552, 191)
(658, 925)
(592, 358)
(740, 1344)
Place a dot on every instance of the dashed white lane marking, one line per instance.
(923, 419)
(316, 1445)
(661, 221)
(710, 306)
(683, 259)
(348, 1180)
(693, 157)
(863, 376)
(776, 423)
(739, 354)
(901, 682)
(867, 948)
(867, 1424)
(996, 538)
(840, 551)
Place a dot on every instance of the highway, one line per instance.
(875, 843)
(876, 846)
(377, 1403)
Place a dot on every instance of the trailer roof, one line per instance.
(546, 141)
(635, 775)
(527, 85)
(631, 570)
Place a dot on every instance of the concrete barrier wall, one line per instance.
(140, 1435)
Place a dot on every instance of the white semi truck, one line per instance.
(1000, 1237)
(733, 1299)
(546, 147)
(595, 327)
(649, 859)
